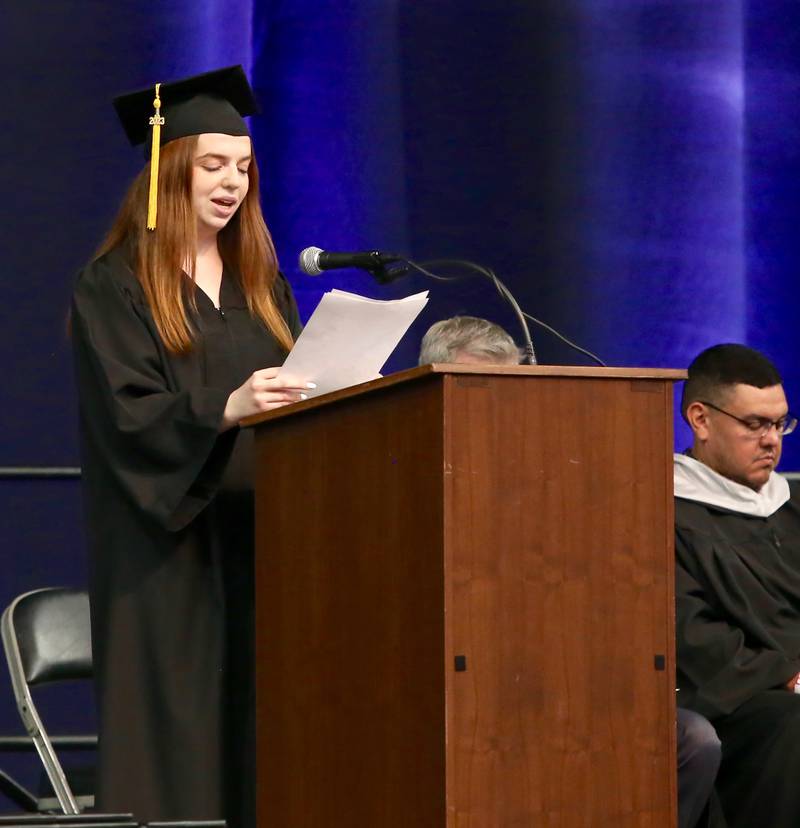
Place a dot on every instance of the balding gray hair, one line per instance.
(450, 340)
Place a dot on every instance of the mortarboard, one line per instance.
(212, 102)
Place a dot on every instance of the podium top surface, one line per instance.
(428, 371)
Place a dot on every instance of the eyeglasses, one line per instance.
(760, 426)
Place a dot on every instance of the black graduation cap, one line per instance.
(215, 101)
(211, 102)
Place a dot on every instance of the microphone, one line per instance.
(313, 260)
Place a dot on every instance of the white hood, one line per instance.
(696, 481)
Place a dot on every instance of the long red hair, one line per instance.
(159, 256)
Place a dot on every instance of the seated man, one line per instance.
(737, 547)
(467, 339)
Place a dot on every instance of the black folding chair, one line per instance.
(47, 638)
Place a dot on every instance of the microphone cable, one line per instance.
(530, 354)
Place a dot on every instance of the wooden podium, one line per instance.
(465, 602)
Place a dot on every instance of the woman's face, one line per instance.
(219, 179)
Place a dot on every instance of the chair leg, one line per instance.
(17, 793)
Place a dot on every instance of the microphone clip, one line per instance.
(384, 273)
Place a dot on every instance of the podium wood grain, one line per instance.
(518, 526)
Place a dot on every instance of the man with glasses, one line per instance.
(737, 545)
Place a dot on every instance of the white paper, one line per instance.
(348, 339)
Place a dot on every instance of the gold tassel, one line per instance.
(152, 202)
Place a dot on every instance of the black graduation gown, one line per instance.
(168, 503)
(738, 643)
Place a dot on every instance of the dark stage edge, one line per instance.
(97, 821)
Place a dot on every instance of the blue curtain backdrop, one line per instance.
(628, 167)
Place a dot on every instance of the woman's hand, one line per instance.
(262, 392)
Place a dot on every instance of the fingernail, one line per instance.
(304, 396)
(311, 385)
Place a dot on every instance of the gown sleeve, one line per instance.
(718, 667)
(160, 444)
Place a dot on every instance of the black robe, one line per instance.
(738, 643)
(168, 503)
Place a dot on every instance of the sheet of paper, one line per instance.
(348, 339)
